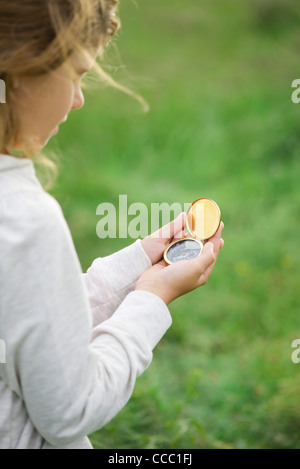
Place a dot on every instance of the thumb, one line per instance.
(168, 231)
(206, 258)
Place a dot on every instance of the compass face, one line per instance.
(183, 249)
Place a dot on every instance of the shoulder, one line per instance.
(31, 214)
(29, 203)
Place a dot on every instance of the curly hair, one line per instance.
(39, 36)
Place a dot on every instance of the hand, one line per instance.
(171, 281)
(155, 244)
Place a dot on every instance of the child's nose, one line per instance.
(78, 99)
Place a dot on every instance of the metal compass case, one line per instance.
(202, 222)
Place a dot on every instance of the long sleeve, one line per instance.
(111, 278)
(71, 377)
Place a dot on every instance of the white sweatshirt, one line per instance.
(75, 343)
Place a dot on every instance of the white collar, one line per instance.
(17, 173)
(8, 162)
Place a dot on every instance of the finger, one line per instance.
(175, 228)
(168, 231)
(163, 263)
(205, 260)
(206, 274)
(218, 232)
(216, 243)
(216, 239)
(209, 270)
(180, 234)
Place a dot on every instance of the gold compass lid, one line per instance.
(203, 218)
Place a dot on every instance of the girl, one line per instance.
(75, 343)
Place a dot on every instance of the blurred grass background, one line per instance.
(217, 75)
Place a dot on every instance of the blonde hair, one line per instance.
(37, 37)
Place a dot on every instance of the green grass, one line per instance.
(217, 76)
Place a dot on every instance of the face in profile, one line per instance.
(44, 102)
